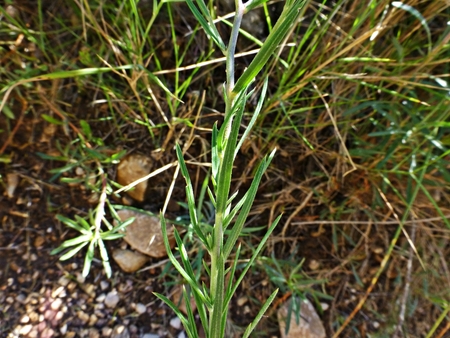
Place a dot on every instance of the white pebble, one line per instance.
(141, 308)
(175, 322)
(111, 300)
(104, 285)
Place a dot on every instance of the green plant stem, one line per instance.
(231, 50)
(217, 259)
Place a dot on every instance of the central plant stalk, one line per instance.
(217, 259)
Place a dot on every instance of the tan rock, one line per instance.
(309, 325)
(145, 234)
(130, 169)
(129, 261)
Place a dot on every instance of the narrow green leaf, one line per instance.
(110, 236)
(260, 314)
(75, 241)
(52, 120)
(248, 202)
(73, 252)
(190, 197)
(7, 111)
(288, 17)
(174, 309)
(210, 29)
(228, 294)
(215, 160)
(63, 169)
(176, 264)
(81, 221)
(252, 259)
(72, 224)
(190, 314)
(88, 259)
(86, 129)
(124, 224)
(255, 115)
(225, 170)
(105, 258)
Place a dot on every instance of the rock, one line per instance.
(12, 181)
(150, 335)
(106, 331)
(130, 169)
(120, 331)
(175, 322)
(84, 317)
(111, 299)
(26, 329)
(129, 261)
(141, 308)
(93, 333)
(104, 285)
(309, 325)
(145, 234)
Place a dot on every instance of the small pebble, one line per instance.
(141, 308)
(106, 331)
(92, 320)
(175, 322)
(247, 309)
(80, 278)
(100, 298)
(47, 332)
(122, 312)
(38, 241)
(324, 306)
(242, 300)
(120, 331)
(89, 289)
(93, 333)
(57, 292)
(104, 285)
(25, 319)
(56, 304)
(111, 299)
(150, 335)
(33, 316)
(26, 329)
(84, 317)
(63, 280)
(63, 329)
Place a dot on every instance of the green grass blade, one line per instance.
(289, 15)
(245, 210)
(260, 314)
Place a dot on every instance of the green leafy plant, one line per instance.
(213, 301)
(92, 234)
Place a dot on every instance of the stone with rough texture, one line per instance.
(309, 325)
(129, 261)
(145, 234)
(120, 331)
(130, 169)
(111, 299)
